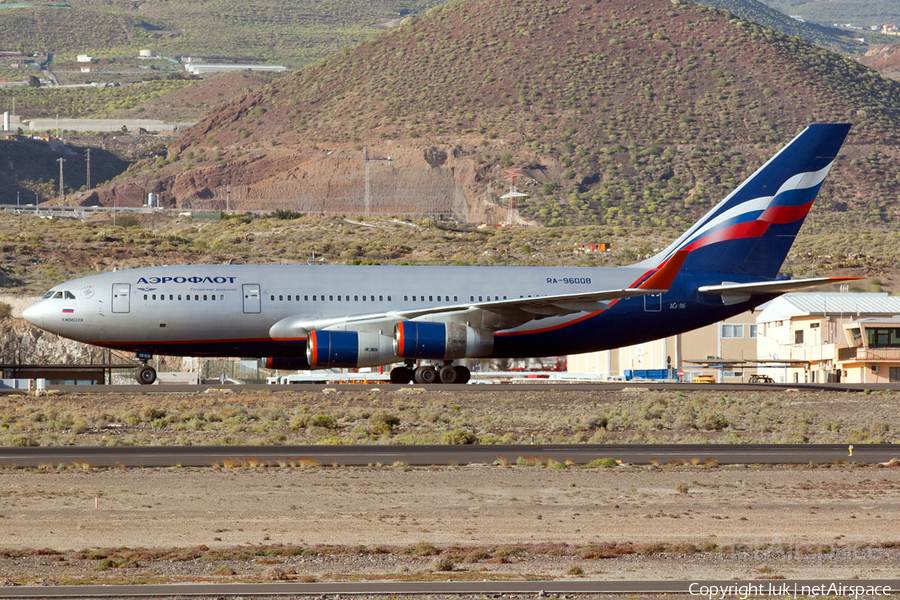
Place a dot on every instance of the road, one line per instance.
(764, 587)
(205, 456)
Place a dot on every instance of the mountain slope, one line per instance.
(294, 33)
(846, 42)
(859, 12)
(620, 112)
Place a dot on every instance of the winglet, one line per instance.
(663, 278)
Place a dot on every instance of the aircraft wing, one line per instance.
(492, 315)
(733, 293)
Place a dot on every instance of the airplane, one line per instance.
(323, 316)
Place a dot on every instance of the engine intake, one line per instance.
(440, 341)
(348, 349)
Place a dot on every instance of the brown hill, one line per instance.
(884, 59)
(619, 112)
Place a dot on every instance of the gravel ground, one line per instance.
(480, 522)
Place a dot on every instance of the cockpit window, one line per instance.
(69, 295)
(58, 295)
(47, 295)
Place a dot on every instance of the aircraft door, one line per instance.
(121, 297)
(252, 298)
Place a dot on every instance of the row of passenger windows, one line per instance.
(196, 298)
(317, 298)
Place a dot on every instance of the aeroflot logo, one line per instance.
(186, 279)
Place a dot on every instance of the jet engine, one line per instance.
(348, 349)
(440, 341)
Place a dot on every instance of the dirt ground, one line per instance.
(481, 522)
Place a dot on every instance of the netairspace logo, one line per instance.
(785, 590)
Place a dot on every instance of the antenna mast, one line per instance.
(512, 212)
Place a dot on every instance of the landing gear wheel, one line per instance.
(425, 374)
(401, 375)
(146, 375)
(462, 374)
(448, 374)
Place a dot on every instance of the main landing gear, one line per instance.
(146, 374)
(446, 373)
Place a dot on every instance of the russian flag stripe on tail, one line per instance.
(752, 229)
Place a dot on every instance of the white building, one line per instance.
(829, 337)
(84, 58)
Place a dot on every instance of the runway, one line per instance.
(205, 456)
(520, 385)
(782, 588)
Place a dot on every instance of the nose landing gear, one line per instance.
(145, 374)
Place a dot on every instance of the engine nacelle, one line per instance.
(286, 363)
(440, 341)
(348, 349)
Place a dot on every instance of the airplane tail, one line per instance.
(751, 231)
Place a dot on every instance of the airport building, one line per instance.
(797, 338)
(831, 337)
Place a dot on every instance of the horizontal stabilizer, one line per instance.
(734, 293)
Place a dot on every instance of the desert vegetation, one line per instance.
(371, 417)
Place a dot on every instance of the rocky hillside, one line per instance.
(884, 59)
(619, 112)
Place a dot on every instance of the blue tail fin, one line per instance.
(751, 231)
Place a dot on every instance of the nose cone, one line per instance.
(34, 314)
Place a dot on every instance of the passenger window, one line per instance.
(273, 297)
(380, 298)
(179, 297)
(145, 296)
(306, 298)
(154, 296)
(196, 296)
(314, 298)
(479, 298)
(213, 297)
(356, 298)
(331, 298)
(204, 297)
(471, 298)
(188, 297)
(430, 298)
(389, 298)
(171, 297)
(280, 298)
(339, 298)
(289, 297)
(406, 298)
(455, 299)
